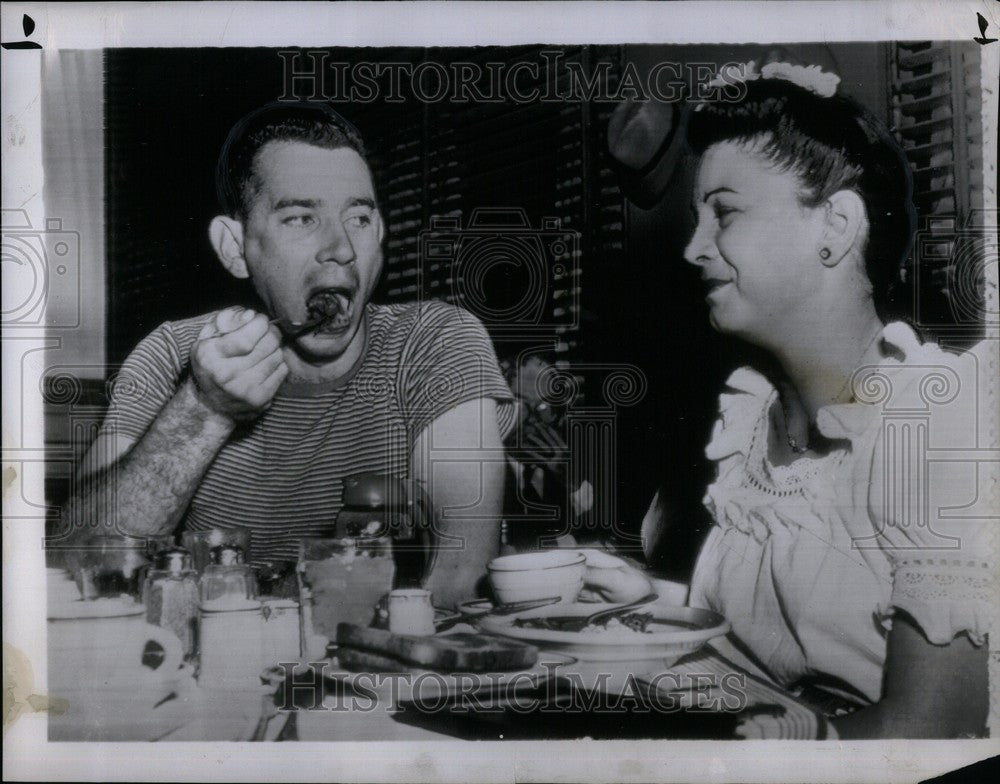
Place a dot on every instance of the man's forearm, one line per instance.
(146, 492)
(459, 567)
(469, 528)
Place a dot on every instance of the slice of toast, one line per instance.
(357, 660)
(461, 652)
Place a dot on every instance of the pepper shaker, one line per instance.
(227, 576)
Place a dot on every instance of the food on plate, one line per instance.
(633, 622)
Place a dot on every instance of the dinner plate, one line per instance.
(673, 632)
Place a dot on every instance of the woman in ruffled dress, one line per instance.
(851, 555)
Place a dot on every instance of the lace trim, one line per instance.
(946, 596)
(781, 481)
(752, 480)
(945, 579)
(931, 586)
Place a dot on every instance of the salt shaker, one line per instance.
(171, 596)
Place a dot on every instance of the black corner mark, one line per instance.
(28, 25)
(982, 40)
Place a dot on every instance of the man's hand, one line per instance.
(236, 369)
(237, 364)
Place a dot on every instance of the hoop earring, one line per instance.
(824, 253)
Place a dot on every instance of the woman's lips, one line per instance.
(714, 285)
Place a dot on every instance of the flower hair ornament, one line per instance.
(809, 77)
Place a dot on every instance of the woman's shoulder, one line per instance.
(924, 377)
(931, 487)
(915, 378)
(742, 404)
(904, 347)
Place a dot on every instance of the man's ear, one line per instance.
(845, 226)
(226, 236)
(381, 226)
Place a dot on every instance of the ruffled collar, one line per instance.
(748, 394)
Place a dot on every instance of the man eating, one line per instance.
(255, 418)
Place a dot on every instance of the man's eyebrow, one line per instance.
(362, 201)
(282, 204)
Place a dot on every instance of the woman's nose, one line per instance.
(701, 247)
(336, 247)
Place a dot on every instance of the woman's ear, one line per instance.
(845, 228)
(226, 236)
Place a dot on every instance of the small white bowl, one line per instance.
(538, 575)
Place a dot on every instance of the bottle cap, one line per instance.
(174, 560)
(227, 555)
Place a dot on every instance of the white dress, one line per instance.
(810, 561)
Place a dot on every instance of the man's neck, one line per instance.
(303, 370)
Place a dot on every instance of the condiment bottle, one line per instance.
(171, 596)
(227, 576)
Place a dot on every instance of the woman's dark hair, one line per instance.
(312, 123)
(831, 144)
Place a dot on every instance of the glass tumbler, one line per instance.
(341, 581)
(111, 566)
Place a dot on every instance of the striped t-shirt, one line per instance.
(281, 475)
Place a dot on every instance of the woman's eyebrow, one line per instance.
(711, 193)
(707, 196)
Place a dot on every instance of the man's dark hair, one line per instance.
(312, 123)
(830, 144)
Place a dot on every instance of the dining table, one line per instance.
(714, 692)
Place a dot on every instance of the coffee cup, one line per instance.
(104, 644)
